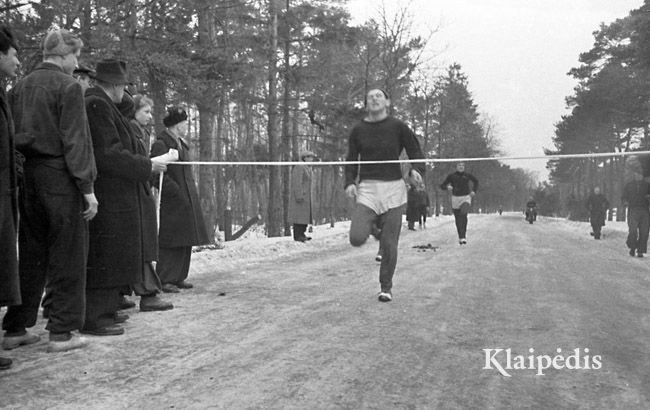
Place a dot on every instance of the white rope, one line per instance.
(397, 161)
(412, 161)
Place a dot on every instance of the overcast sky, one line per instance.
(516, 54)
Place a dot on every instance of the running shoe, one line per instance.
(385, 297)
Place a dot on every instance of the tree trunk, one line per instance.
(274, 221)
(286, 138)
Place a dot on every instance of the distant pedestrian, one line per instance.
(424, 204)
(412, 207)
(530, 211)
(462, 186)
(181, 218)
(9, 282)
(597, 204)
(300, 197)
(635, 197)
(381, 192)
(57, 199)
(416, 206)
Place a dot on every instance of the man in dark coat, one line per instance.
(181, 219)
(635, 197)
(597, 205)
(300, 196)
(412, 207)
(57, 197)
(9, 284)
(117, 249)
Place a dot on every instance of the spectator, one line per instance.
(148, 285)
(417, 206)
(635, 197)
(9, 283)
(412, 207)
(59, 171)
(597, 205)
(84, 74)
(423, 206)
(181, 219)
(300, 208)
(122, 226)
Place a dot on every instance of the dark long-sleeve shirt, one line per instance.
(462, 183)
(50, 118)
(635, 194)
(381, 141)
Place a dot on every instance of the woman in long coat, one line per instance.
(117, 246)
(138, 110)
(181, 218)
(300, 198)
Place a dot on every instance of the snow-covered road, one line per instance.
(277, 324)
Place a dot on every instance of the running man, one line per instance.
(381, 191)
(463, 187)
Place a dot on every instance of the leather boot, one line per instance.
(153, 303)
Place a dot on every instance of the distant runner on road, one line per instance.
(463, 187)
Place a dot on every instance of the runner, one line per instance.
(463, 187)
(381, 191)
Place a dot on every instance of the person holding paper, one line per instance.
(118, 244)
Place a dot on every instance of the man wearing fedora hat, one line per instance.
(181, 218)
(117, 249)
(300, 197)
(57, 199)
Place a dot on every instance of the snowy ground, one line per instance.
(278, 324)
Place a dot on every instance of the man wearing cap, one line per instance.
(9, 284)
(300, 210)
(83, 74)
(58, 198)
(181, 218)
(117, 249)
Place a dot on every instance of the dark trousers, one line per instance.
(9, 282)
(174, 264)
(53, 243)
(638, 223)
(101, 305)
(390, 224)
(149, 284)
(596, 227)
(461, 222)
(299, 231)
